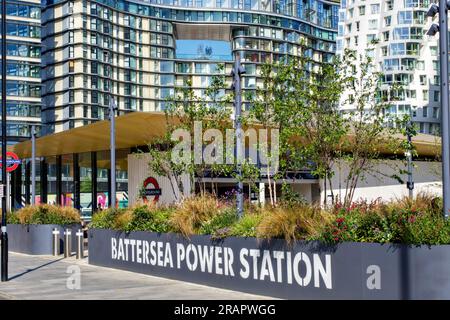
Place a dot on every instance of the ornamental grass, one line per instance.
(45, 214)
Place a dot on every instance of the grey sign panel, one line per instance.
(152, 192)
(303, 270)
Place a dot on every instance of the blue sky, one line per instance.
(190, 47)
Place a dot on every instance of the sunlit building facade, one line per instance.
(393, 33)
(138, 52)
(23, 81)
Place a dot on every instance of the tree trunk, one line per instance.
(275, 192)
(269, 182)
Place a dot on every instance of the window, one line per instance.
(420, 65)
(94, 67)
(425, 112)
(425, 95)
(405, 17)
(387, 21)
(433, 51)
(435, 65)
(362, 10)
(371, 38)
(436, 80)
(423, 80)
(71, 66)
(375, 8)
(436, 95)
(435, 112)
(373, 24)
(397, 49)
(401, 33)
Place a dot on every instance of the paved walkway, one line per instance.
(46, 277)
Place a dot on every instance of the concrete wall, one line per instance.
(138, 171)
(304, 190)
(426, 177)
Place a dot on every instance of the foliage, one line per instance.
(290, 198)
(45, 214)
(417, 221)
(149, 218)
(300, 98)
(370, 125)
(411, 221)
(173, 154)
(141, 217)
(246, 226)
(219, 225)
(193, 212)
(292, 223)
(103, 219)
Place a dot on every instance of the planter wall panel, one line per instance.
(305, 270)
(38, 238)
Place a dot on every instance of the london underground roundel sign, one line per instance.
(152, 189)
(12, 161)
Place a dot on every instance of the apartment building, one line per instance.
(138, 52)
(23, 82)
(393, 33)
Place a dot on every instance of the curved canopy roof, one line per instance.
(138, 129)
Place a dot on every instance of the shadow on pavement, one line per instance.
(34, 269)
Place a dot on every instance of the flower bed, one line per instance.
(30, 228)
(405, 221)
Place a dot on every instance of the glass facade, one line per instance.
(138, 51)
(23, 87)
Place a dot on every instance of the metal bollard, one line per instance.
(67, 243)
(56, 248)
(80, 244)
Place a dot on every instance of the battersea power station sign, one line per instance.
(264, 265)
(304, 270)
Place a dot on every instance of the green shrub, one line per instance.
(246, 226)
(410, 221)
(137, 218)
(145, 218)
(219, 225)
(103, 219)
(418, 221)
(12, 218)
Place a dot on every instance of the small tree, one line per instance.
(184, 110)
(370, 126)
(301, 98)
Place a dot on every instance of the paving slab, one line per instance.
(56, 278)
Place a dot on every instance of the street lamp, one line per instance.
(4, 236)
(408, 154)
(237, 72)
(33, 165)
(442, 9)
(112, 115)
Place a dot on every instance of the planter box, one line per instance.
(305, 270)
(38, 238)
